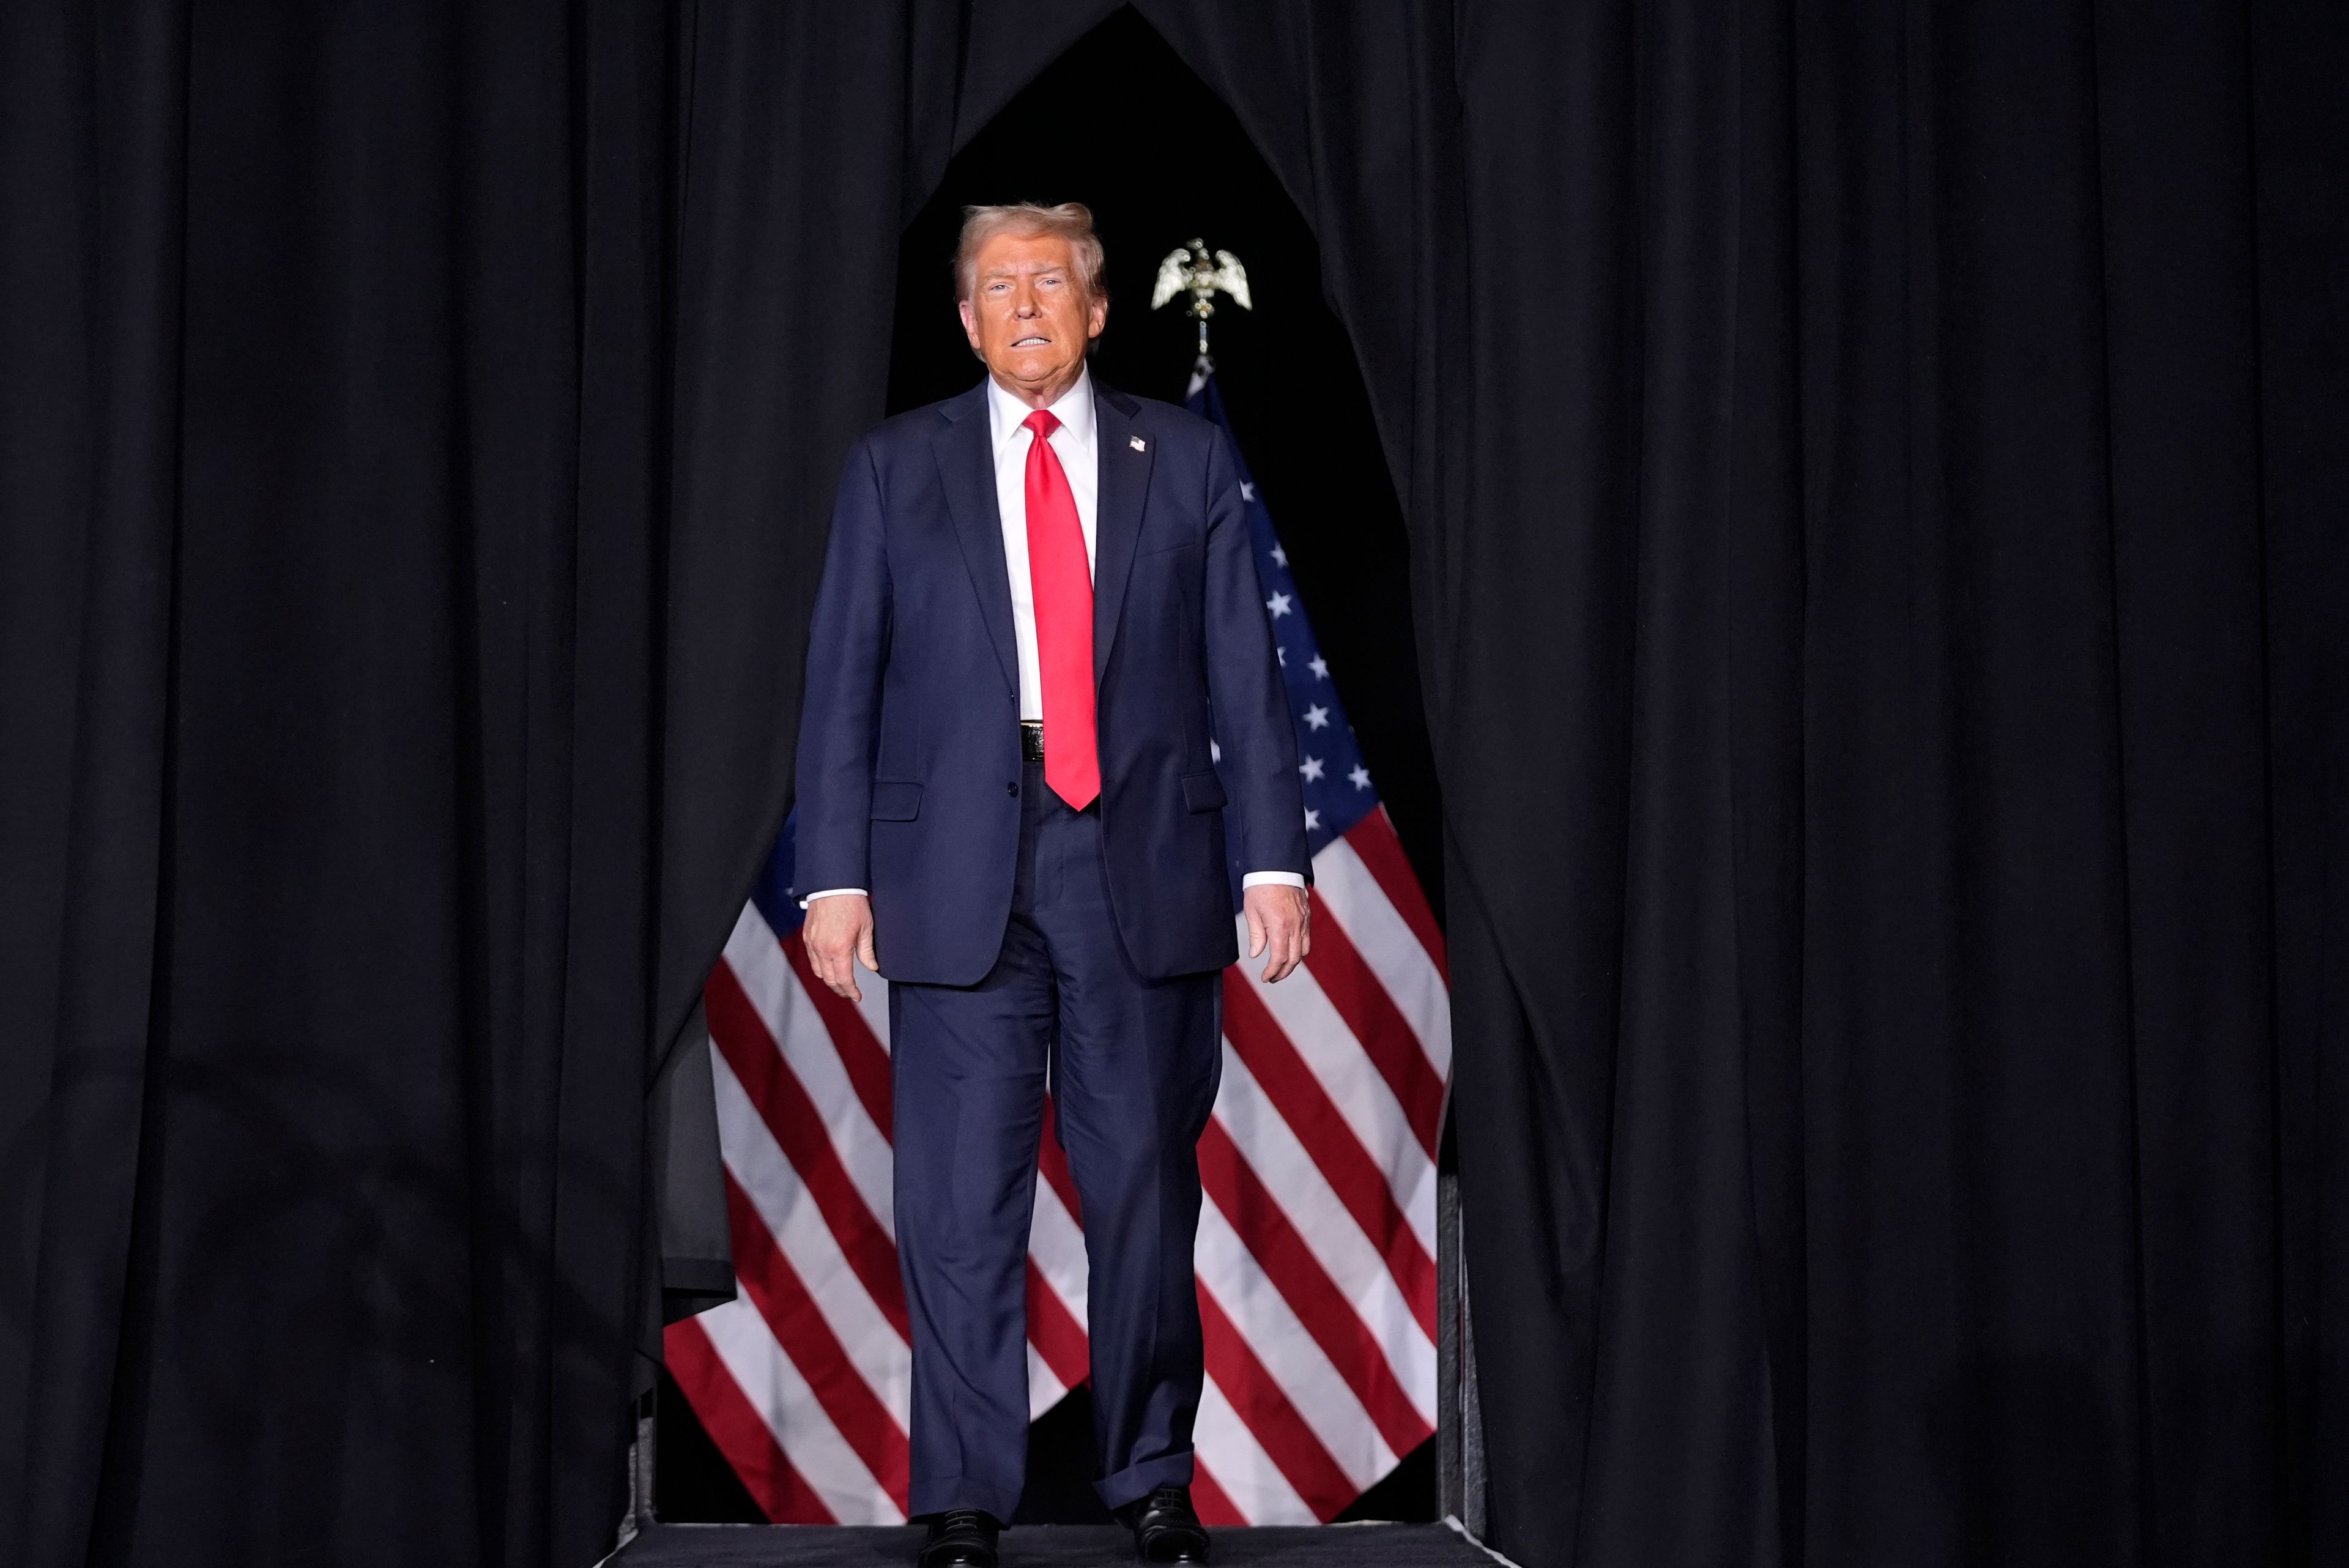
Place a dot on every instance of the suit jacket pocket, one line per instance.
(1202, 792)
(896, 801)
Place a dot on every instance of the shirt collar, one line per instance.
(1073, 409)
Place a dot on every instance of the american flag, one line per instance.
(1316, 1245)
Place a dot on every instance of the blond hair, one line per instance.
(1070, 221)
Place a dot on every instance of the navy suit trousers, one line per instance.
(1132, 1065)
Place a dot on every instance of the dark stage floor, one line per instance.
(1047, 1546)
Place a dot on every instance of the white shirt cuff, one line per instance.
(1253, 879)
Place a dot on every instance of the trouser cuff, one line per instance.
(1139, 1481)
(937, 1494)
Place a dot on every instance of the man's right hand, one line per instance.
(838, 933)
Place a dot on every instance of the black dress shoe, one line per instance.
(1166, 1528)
(959, 1537)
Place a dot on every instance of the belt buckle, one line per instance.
(1031, 740)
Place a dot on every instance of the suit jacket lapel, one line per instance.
(967, 471)
(1117, 521)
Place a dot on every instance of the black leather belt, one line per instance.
(1031, 740)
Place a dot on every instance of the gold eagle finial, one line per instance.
(1195, 270)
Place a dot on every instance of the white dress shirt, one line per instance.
(1077, 445)
(1080, 454)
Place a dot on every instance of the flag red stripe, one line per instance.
(1054, 1330)
(741, 1433)
(1306, 1106)
(863, 1055)
(1386, 1037)
(1272, 1418)
(1054, 1162)
(783, 1105)
(1305, 1287)
(799, 1328)
(1209, 1500)
(1374, 838)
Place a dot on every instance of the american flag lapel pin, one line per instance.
(1137, 443)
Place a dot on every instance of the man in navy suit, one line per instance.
(1039, 670)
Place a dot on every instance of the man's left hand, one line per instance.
(1279, 926)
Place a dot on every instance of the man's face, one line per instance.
(1028, 315)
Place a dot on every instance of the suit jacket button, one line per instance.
(1012, 788)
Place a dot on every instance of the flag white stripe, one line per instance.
(790, 1409)
(1388, 945)
(766, 1177)
(1363, 1095)
(1058, 1248)
(1292, 1357)
(797, 1029)
(1044, 1390)
(1337, 1242)
(874, 1007)
(1242, 1468)
(1418, 1203)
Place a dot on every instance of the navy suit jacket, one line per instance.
(909, 761)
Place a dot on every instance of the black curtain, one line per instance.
(335, 422)
(1874, 479)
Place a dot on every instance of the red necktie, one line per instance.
(1062, 584)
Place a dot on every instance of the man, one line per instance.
(1039, 629)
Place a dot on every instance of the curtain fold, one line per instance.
(335, 345)
(90, 301)
(1864, 499)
